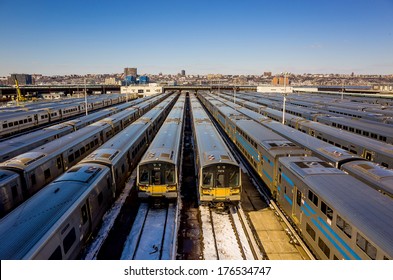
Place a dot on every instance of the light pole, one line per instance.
(285, 96)
(85, 97)
(234, 95)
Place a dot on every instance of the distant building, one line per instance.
(111, 81)
(144, 80)
(183, 72)
(23, 79)
(141, 90)
(130, 72)
(267, 74)
(129, 80)
(287, 89)
(278, 81)
(383, 87)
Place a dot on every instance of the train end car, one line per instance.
(339, 216)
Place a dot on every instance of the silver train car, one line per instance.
(339, 216)
(42, 165)
(58, 221)
(158, 172)
(218, 173)
(72, 206)
(15, 122)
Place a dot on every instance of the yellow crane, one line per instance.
(19, 96)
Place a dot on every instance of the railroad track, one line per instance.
(226, 235)
(153, 234)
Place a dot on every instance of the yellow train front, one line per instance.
(219, 176)
(158, 171)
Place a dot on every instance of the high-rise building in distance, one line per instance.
(183, 72)
(23, 79)
(130, 72)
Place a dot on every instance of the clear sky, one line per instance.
(229, 37)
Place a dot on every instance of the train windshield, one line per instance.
(157, 174)
(220, 176)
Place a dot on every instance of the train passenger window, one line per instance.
(310, 231)
(344, 226)
(69, 240)
(207, 179)
(58, 162)
(10, 124)
(365, 133)
(21, 122)
(5, 125)
(84, 214)
(56, 255)
(382, 138)
(30, 120)
(96, 141)
(358, 131)
(366, 246)
(169, 177)
(351, 129)
(345, 127)
(92, 144)
(77, 154)
(313, 198)
(353, 151)
(82, 150)
(100, 198)
(327, 210)
(87, 147)
(384, 164)
(24, 121)
(71, 158)
(373, 135)
(47, 173)
(325, 249)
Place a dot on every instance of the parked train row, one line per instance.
(370, 149)
(355, 124)
(371, 173)
(38, 167)
(338, 216)
(26, 142)
(217, 172)
(58, 221)
(15, 122)
(159, 169)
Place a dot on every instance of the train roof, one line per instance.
(165, 146)
(363, 207)
(51, 149)
(24, 227)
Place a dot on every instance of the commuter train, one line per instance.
(371, 173)
(368, 148)
(159, 170)
(218, 173)
(338, 216)
(26, 142)
(58, 221)
(40, 166)
(15, 122)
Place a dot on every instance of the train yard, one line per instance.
(201, 177)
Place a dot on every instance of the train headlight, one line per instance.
(235, 191)
(171, 188)
(143, 188)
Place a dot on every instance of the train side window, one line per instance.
(25, 121)
(365, 133)
(84, 214)
(10, 124)
(32, 179)
(325, 249)
(310, 231)
(366, 246)
(56, 255)
(344, 226)
(144, 177)
(358, 131)
(100, 198)
(21, 122)
(82, 150)
(69, 240)
(313, 198)
(71, 158)
(5, 125)
(92, 144)
(353, 152)
(47, 173)
(382, 138)
(351, 129)
(77, 154)
(96, 141)
(87, 147)
(123, 168)
(373, 135)
(384, 164)
(327, 210)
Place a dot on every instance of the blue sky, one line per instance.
(228, 37)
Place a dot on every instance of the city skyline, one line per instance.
(248, 37)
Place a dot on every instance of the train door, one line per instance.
(368, 155)
(296, 212)
(85, 222)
